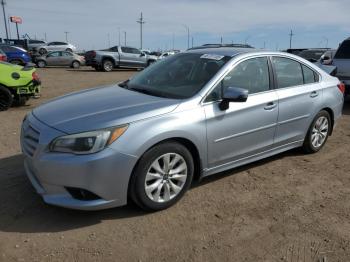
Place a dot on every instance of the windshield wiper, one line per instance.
(124, 84)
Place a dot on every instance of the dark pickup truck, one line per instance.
(118, 56)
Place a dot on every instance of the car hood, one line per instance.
(99, 108)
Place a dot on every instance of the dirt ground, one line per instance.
(291, 207)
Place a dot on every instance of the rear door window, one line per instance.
(309, 75)
(288, 72)
(343, 51)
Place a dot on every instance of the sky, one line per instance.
(261, 23)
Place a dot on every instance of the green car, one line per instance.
(17, 84)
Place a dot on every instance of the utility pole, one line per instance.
(291, 38)
(45, 36)
(5, 21)
(221, 40)
(192, 41)
(141, 21)
(66, 36)
(188, 35)
(119, 36)
(173, 41)
(124, 38)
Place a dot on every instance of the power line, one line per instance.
(3, 11)
(141, 21)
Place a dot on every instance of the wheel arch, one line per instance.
(189, 145)
(331, 114)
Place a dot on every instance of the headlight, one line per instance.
(88, 142)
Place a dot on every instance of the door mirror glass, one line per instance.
(142, 54)
(233, 94)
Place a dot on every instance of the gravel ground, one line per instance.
(291, 207)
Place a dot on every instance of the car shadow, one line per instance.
(22, 209)
(87, 70)
(346, 108)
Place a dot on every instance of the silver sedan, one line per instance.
(186, 117)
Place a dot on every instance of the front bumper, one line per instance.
(54, 175)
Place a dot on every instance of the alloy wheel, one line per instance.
(166, 177)
(319, 132)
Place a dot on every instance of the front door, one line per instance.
(244, 129)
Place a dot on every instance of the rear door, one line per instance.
(67, 58)
(300, 96)
(342, 62)
(140, 59)
(126, 56)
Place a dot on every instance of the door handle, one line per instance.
(270, 105)
(314, 94)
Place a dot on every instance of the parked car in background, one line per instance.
(191, 115)
(55, 46)
(312, 54)
(3, 56)
(220, 45)
(17, 84)
(166, 54)
(327, 57)
(342, 61)
(294, 51)
(118, 56)
(33, 44)
(15, 55)
(60, 58)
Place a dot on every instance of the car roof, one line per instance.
(225, 51)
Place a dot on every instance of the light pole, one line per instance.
(141, 21)
(66, 36)
(188, 35)
(5, 22)
(124, 38)
(290, 38)
(119, 36)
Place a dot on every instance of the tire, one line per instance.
(318, 133)
(107, 65)
(42, 51)
(41, 63)
(6, 98)
(166, 189)
(150, 62)
(69, 50)
(20, 101)
(16, 62)
(75, 64)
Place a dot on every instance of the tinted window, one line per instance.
(343, 51)
(54, 54)
(36, 42)
(67, 54)
(309, 75)
(126, 50)
(135, 51)
(312, 55)
(114, 48)
(252, 74)
(288, 72)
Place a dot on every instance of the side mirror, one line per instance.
(233, 94)
(143, 54)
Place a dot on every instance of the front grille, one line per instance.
(30, 140)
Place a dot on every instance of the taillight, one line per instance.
(3, 58)
(35, 76)
(341, 87)
(92, 54)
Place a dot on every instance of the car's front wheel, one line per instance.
(75, 64)
(318, 132)
(6, 98)
(41, 63)
(162, 176)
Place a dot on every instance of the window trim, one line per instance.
(271, 77)
(301, 63)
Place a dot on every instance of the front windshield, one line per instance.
(179, 76)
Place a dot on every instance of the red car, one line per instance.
(3, 56)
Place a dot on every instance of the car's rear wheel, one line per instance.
(6, 98)
(75, 64)
(162, 176)
(107, 65)
(41, 63)
(318, 132)
(42, 51)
